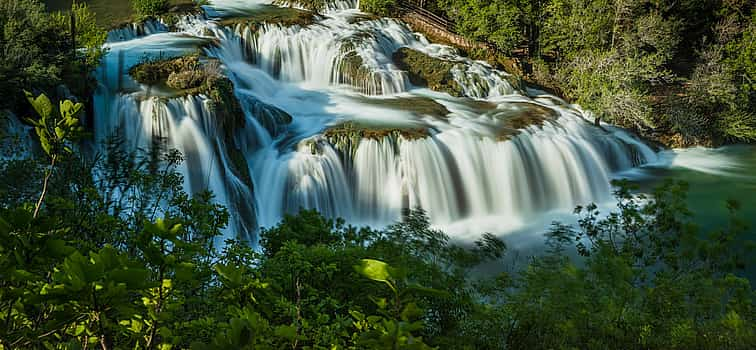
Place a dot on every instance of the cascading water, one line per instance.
(333, 124)
(135, 30)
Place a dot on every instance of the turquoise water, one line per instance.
(714, 176)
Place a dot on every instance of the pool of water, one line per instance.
(714, 176)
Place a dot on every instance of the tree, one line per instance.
(150, 8)
(57, 130)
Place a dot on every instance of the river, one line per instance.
(363, 144)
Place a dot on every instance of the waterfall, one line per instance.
(15, 137)
(333, 124)
(135, 30)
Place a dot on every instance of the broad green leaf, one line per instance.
(374, 269)
(288, 332)
(41, 104)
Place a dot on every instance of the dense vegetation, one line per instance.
(681, 72)
(118, 256)
(39, 51)
(107, 251)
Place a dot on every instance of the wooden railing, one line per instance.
(424, 20)
(418, 6)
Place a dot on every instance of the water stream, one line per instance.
(362, 142)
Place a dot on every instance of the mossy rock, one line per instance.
(375, 132)
(346, 137)
(156, 72)
(417, 105)
(312, 5)
(187, 75)
(239, 164)
(227, 107)
(428, 71)
(513, 121)
(362, 17)
(285, 16)
(353, 71)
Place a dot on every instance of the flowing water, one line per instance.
(362, 142)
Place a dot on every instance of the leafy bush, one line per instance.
(379, 7)
(127, 259)
(37, 51)
(150, 8)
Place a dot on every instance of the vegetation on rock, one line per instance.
(285, 16)
(190, 76)
(681, 73)
(428, 71)
(150, 8)
(126, 259)
(376, 132)
(312, 5)
(379, 7)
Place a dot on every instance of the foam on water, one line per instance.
(492, 159)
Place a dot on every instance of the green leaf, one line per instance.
(60, 133)
(287, 332)
(41, 104)
(374, 269)
(58, 248)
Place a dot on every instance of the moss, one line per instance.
(354, 72)
(239, 164)
(227, 107)
(418, 105)
(346, 137)
(284, 16)
(525, 115)
(352, 129)
(154, 72)
(362, 17)
(312, 5)
(187, 75)
(428, 71)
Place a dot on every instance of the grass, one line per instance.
(110, 13)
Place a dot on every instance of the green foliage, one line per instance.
(56, 133)
(379, 7)
(681, 72)
(428, 71)
(89, 35)
(497, 21)
(128, 260)
(650, 280)
(56, 129)
(38, 50)
(150, 8)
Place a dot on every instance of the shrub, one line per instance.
(378, 7)
(187, 79)
(150, 8)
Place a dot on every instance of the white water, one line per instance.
(472, 168)
(135, 30)
(15, 137)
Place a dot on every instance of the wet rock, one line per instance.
(428, 71)
(284, 16)
(188, 75)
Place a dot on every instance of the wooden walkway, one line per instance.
(435, 26)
